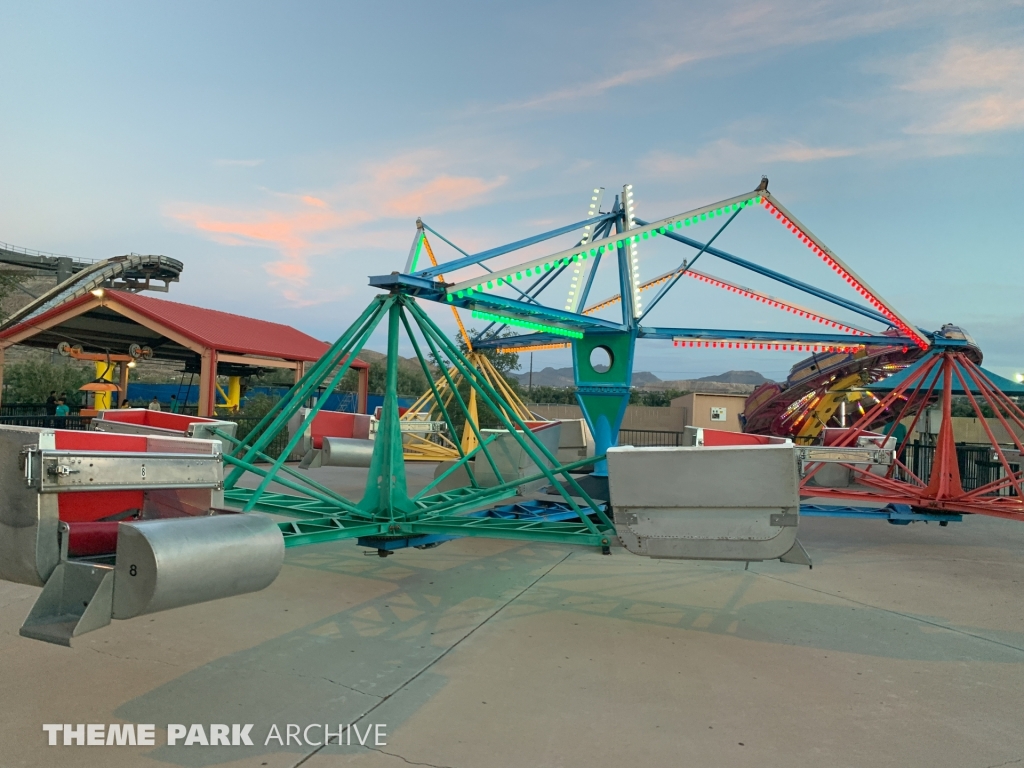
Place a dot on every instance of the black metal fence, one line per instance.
(48, 422)
(30, 409)
(977, 463)
(649, 438)
(247, 425)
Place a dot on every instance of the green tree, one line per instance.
(567, 396)
(9, 282)
(658, 399)
(31, 381)
(257, 406)
(543, 395)
(274, 377)
(504, 362)
(961, 406)
(411, 383)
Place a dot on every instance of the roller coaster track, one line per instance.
(133, 272)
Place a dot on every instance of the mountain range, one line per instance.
(728, 382)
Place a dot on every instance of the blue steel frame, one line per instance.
(895, 514)
(424, 284)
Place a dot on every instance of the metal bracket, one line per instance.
(785, 520)
(26, 463)
(77, 599)
(797, 555)
(62, 471)
(819, 454)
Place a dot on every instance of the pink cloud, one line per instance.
(444, 193)
(965, 67)
(969, 90)
(303, 226)
(726, 155)
(291, 232)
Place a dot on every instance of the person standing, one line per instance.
(174, 403)
(154, 404)
(51, 407)
(61, 412)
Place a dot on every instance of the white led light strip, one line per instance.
(634, 260)
(606, 243)
(580, 267)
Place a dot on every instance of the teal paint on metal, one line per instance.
(261, 472)
(441, 406)
(277, 418)
(604, 395)
(462, 462)
(462, 403)
(483, 387)
(304, 479)
(386, 491)
(386, 509)
(293, 441)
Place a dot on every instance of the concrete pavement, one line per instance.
(903, 646)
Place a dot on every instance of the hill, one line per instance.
(738, 382)
(737, 377)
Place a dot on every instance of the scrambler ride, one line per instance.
(142, 517)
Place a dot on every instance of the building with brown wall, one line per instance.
(712, 411)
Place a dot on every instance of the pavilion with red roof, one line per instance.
(214, 343)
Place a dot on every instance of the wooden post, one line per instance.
(207, 383)
(362, 390)
(123, 382)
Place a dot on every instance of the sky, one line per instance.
(283, 151)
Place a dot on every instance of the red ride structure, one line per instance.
(950, 368)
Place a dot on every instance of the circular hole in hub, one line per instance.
(601, 359)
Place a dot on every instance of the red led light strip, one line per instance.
(763, 298)
(773, 346)
(839, 270)
(534, 348)
(773, 302)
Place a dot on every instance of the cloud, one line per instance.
(238, 163)
(1001, 340)
(303, 226)
(747, 28)
(442, 194)
(968, 89)
(665, 66)
(726, 156)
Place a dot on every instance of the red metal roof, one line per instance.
(212, 328)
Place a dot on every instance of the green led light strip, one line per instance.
(540, 269)
(712, 214)
(527, 324)
(419, 250)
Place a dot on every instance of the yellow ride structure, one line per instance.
(436, 446)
